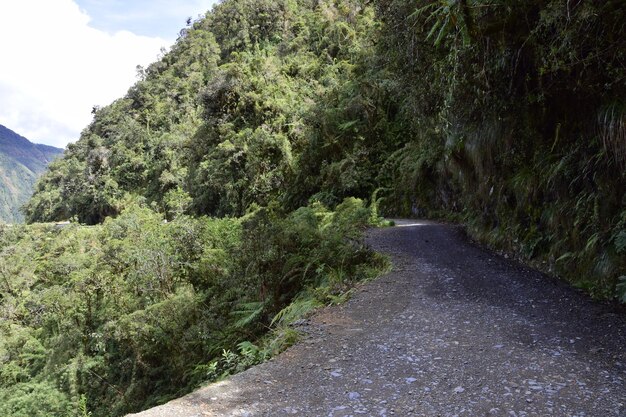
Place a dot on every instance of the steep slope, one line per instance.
(119, 317)
(517, 127)
(509, 117)
(235, 115)
(21, 163)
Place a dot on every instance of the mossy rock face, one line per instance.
(524, 145)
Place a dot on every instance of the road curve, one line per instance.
(453, 330)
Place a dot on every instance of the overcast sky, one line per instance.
(59, 58)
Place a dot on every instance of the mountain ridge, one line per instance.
(21, 164)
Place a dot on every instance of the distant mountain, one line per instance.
(21, 163)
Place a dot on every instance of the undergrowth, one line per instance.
(122, 316)
(327, 258)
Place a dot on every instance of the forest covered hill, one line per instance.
(509, 115)
(296, 121)
(21, 163)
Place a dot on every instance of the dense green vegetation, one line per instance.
(21, 163)
(508, 116)
(229, 117)
(516, 122)
(135, 311)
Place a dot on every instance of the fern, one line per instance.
(296, 310)
(248, 313)
(621, 289)
(612, 131)
(620, 241)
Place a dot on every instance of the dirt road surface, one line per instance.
(453, 330)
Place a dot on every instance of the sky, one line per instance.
(59, 58)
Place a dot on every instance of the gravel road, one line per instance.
(453, 330)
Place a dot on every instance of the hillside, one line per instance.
(509, 117)
(21, 163)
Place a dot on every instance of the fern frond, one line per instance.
(294, 311)
(248, 313)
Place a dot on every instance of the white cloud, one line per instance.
(162, 18)
(55, 68)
